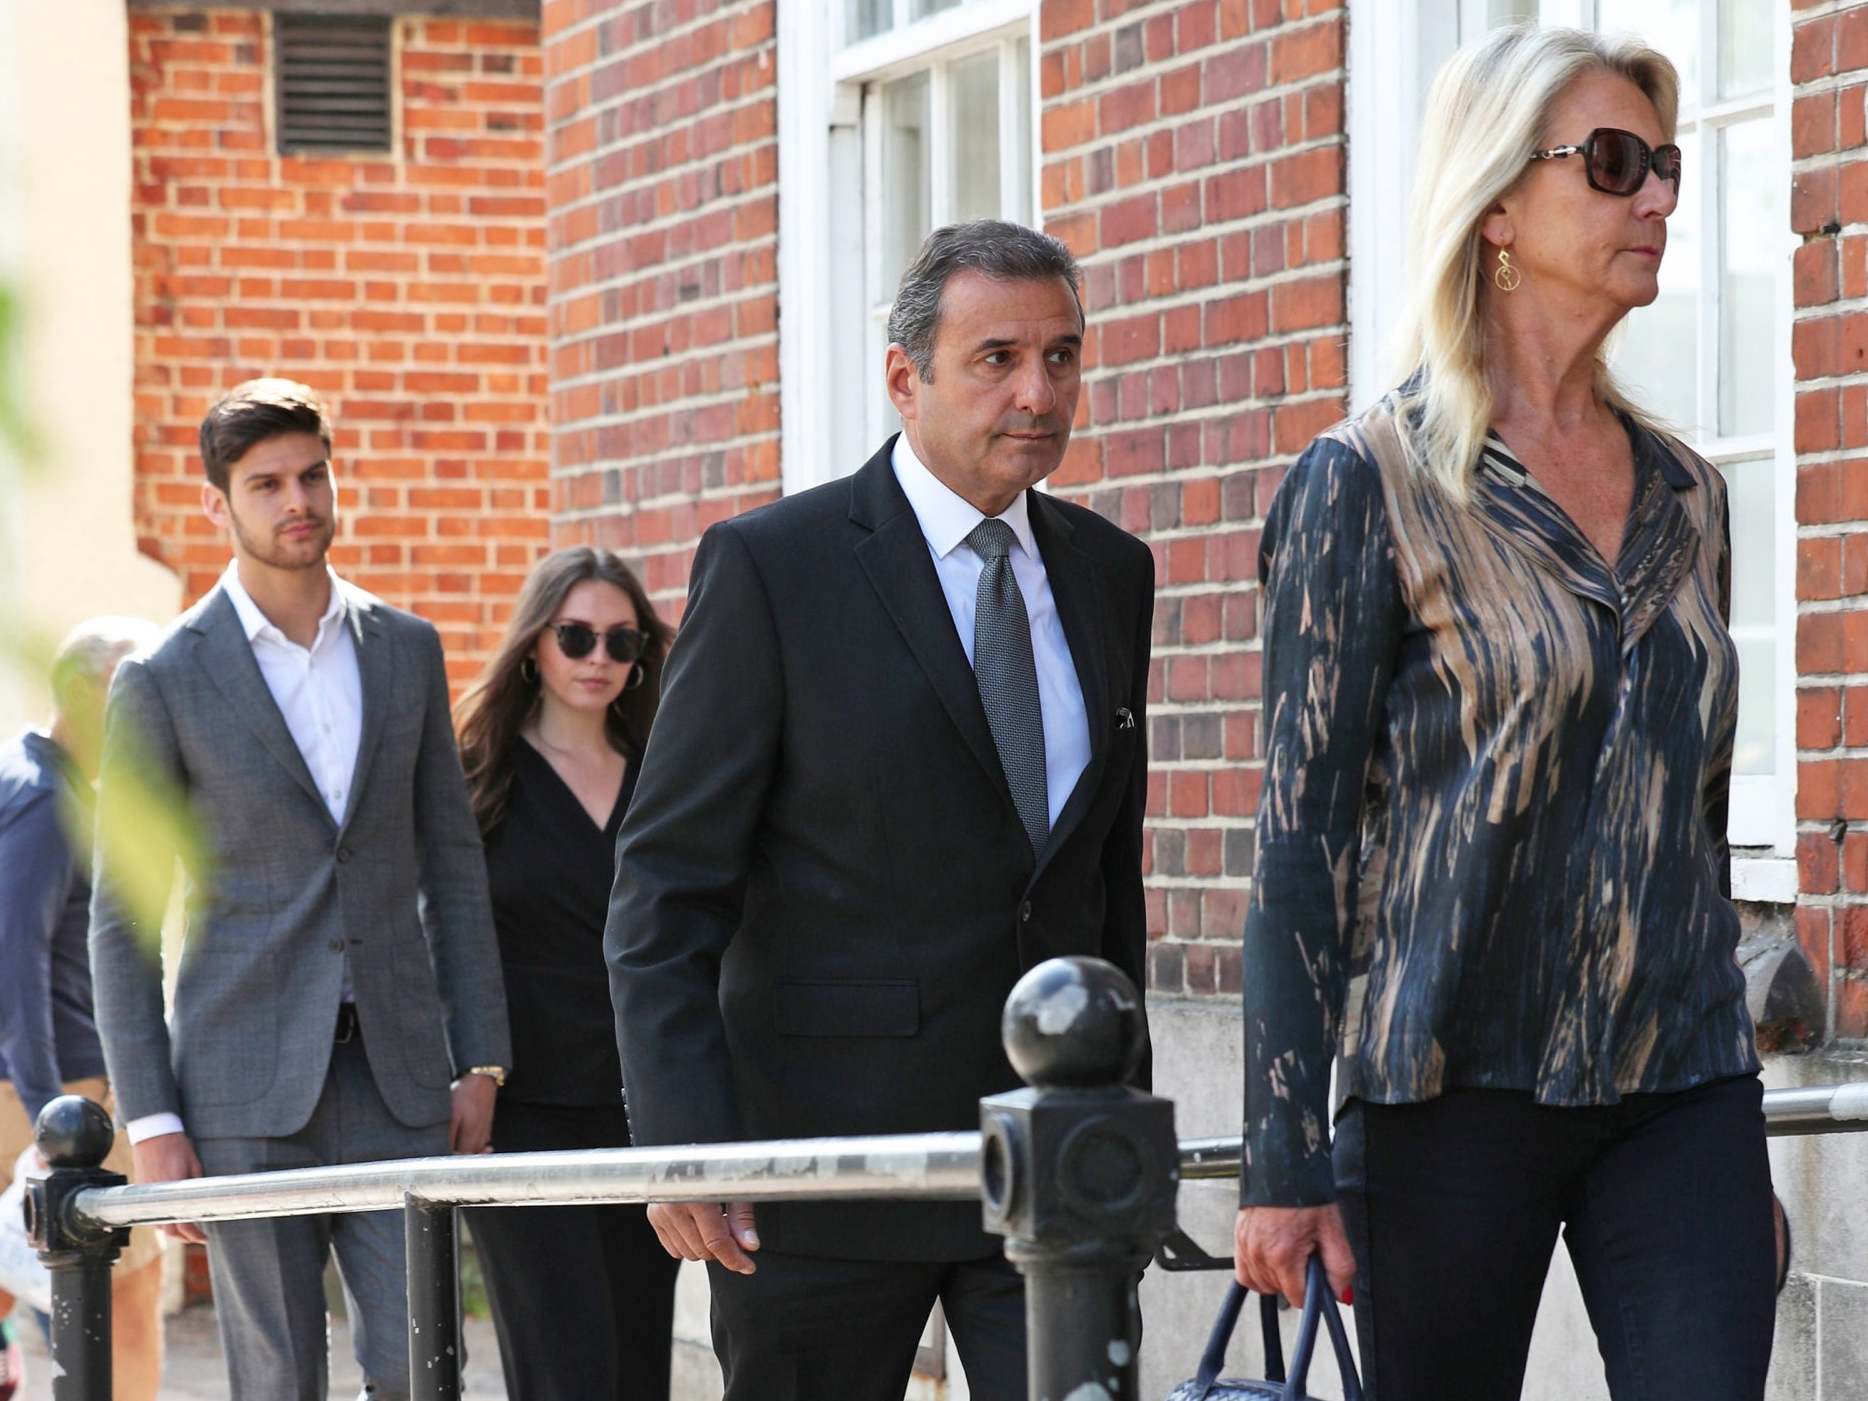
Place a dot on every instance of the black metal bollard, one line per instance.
(73, 1136)
(432, 1234)
(1079, 1175)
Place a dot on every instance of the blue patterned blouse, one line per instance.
(1491, 839)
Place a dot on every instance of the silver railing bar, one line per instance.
(1813, 1109)
(928, 1167)
(923, 1166)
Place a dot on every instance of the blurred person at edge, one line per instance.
(551, 736)
(338, 998)
(1492, 876)
(48, 1028)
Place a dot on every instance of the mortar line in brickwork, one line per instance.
(764, 91)
(1831, 530)
(627, 145)
(571, 515)
(1146, 129)
(1217, 107)
(732, 202)
(1219, 45)
(726, 16)
(676, 453)
(681, 403)
(737, 295)
(1218, 228)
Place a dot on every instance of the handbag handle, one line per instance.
(1317, 1305)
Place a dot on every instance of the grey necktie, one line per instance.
(1008, 678)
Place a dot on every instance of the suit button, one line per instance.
(343, 855)
(1024, 913)
(337, 946)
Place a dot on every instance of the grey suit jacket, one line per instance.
(281, 893)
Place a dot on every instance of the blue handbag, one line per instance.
(1319, 1307)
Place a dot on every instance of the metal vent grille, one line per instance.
(333, 75)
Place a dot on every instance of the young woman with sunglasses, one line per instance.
(550, 735)
(1492, 878)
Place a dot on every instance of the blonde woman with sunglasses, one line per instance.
(1492, 879)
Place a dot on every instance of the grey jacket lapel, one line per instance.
(226, 656)
(376, 666)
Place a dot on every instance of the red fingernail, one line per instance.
(1349, 1295)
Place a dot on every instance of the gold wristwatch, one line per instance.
(495, 1073)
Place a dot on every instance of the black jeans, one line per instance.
(1664, 1200)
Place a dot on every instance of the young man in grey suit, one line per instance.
(339, 995)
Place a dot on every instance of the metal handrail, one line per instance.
(925, 1166)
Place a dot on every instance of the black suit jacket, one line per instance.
(823, 891)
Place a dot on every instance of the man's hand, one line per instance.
(1272, 1245)
(707, 1231)
(470, 1119)
(169, 1157)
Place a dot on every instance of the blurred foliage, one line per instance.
(149, 824)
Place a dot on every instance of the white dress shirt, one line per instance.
(319, 692)
(946, 519)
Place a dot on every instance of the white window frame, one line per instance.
(830, 363)
(1394, 51)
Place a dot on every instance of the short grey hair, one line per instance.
(1003, 251)
(92, 649)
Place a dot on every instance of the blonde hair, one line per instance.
(1486, 113)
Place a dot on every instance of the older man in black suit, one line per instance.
(899, 761)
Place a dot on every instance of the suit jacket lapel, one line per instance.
(376, 669)
(1077, 585)
(895, 558)
(227, 657)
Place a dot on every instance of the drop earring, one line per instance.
(1506, 278)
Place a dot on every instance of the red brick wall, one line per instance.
(1829, 209)
(407, 286)
(1193, 158)
(663, 170)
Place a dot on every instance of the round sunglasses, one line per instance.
(1617, 162)
(579, 640)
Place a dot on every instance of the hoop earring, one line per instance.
(528, 670)
(1506, 278)
(636, 678)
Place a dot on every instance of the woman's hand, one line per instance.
(1272, 1245)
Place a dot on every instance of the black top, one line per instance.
(1491, 837)
(549, 869)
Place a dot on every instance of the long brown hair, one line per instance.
(496, 707)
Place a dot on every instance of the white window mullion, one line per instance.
(940, 146)
(904, 13)
(875, 331)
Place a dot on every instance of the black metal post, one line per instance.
(1079, 1174)
(434, 1301)
(74, 1136)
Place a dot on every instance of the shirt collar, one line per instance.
(946, 517)
(254, 623)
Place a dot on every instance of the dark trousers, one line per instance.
(583, 1296)
(805, 1329)
(1664, 1200)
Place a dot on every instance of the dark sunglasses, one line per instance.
(1617, 162)
(579, 640)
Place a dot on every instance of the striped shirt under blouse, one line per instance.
(1491, 837)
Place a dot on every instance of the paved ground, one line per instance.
(194, 1371)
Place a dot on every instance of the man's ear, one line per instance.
(214, 505)
(902, 380)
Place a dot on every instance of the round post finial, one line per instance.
(73, 1132)
(1074, 1022)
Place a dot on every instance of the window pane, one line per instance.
(864, 19)
(1746, 277)
(1744, 46)
(924, 8)
(1672, 26)
(1754, 610)
(907, 182)
(973, 104)
(1655, 359)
